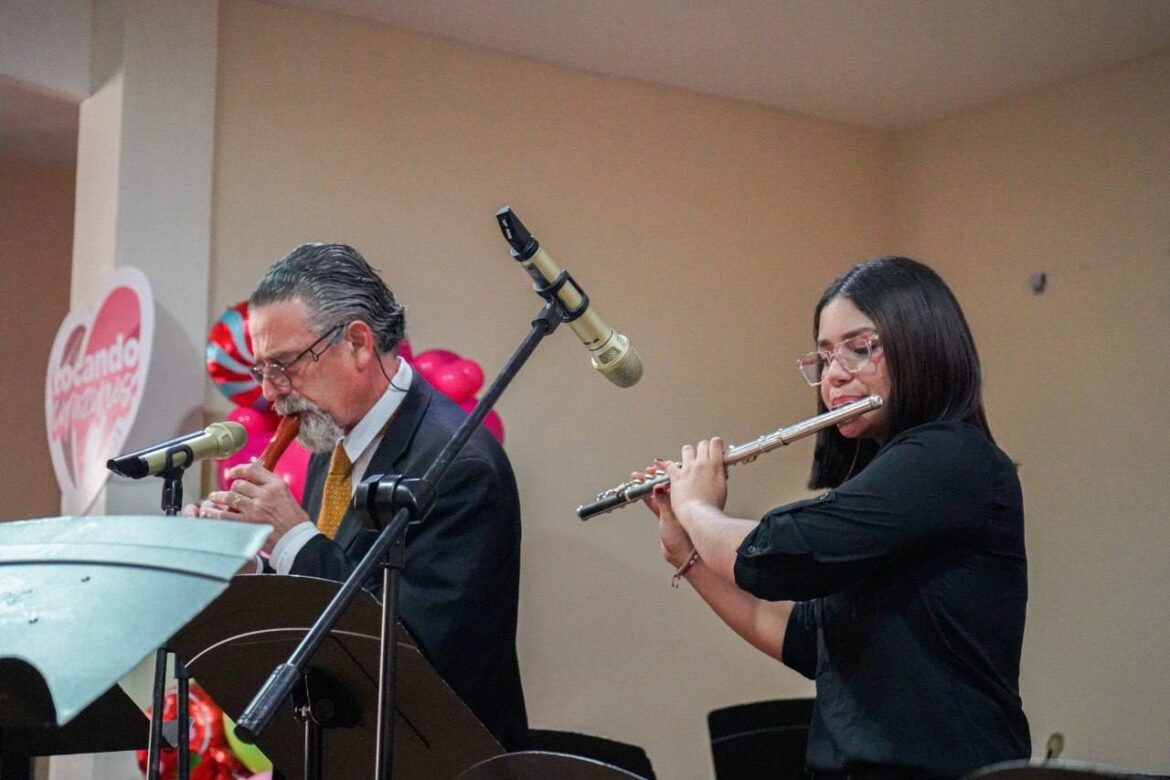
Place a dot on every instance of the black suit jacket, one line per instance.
(460, 585)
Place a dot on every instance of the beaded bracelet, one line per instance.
(691, 559)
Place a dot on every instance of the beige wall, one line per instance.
(36, 240)
(705, 229)
(1073, 181)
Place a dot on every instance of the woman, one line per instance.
(904, 586)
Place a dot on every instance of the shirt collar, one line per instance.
(369, 429)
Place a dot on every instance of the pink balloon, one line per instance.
(259, 426)
(473, 373)
(404, 350)
(254, 420)
(494, 424)
(428, 363)
(292, 468)
(491, 420)
(452, 382)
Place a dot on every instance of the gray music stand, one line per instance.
(83, 600)
(253, 627)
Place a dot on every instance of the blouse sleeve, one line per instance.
(929, 484)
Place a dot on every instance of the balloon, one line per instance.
(494, 424)
(404, 350)
(205, 735)
(293, 467)
(429, 362)
(453, 382)
(255, 421)
(259, 426)
(491, 420)
(228, 355)
(472, 371)
(249, 755)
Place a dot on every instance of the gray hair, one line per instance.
(338, 286)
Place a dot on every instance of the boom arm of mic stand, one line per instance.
(284, 677)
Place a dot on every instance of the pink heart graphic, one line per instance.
(96, 378)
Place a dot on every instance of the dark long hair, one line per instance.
(934, 368)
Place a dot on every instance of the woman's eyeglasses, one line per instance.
(851, 354)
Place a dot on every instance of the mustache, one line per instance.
(290, 404)
(319, 431)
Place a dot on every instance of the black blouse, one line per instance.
(912, 583)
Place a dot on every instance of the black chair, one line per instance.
(763, 739)
(631, 758)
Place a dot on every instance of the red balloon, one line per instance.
(292, 468)
(428, 363)
(228, 358)
(254, 421)
(206, 736)
(491, 421)
(404, 350)
(260, 426)
(472, 371)
(452, 382)
(494, 424)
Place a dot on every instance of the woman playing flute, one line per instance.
(903, 587)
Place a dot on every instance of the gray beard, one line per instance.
(319, 432)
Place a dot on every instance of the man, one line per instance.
(325, 330)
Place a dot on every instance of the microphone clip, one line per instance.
(549, 293)
(379, 498)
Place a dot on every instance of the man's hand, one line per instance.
(256, 495)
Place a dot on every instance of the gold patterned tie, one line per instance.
(338, 492)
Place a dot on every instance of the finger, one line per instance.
(225, 498)
(243, 488)
(252, 472)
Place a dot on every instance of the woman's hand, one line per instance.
(699, 479)
(676, 544)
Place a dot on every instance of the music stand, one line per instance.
(112, 722)
(233, 646)
(83, 600)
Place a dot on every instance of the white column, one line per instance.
(144, 189)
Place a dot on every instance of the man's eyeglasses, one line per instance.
(277, 373)
(852, 355)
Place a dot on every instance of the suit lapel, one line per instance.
(390, 452)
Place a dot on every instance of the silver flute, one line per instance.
(629, 492)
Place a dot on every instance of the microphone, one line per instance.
(217, 440)
(611, 352)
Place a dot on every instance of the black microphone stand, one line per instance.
(410, 499)
(172, 502)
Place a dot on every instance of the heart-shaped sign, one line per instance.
(94, 385)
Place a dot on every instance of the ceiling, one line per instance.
(877, 63)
